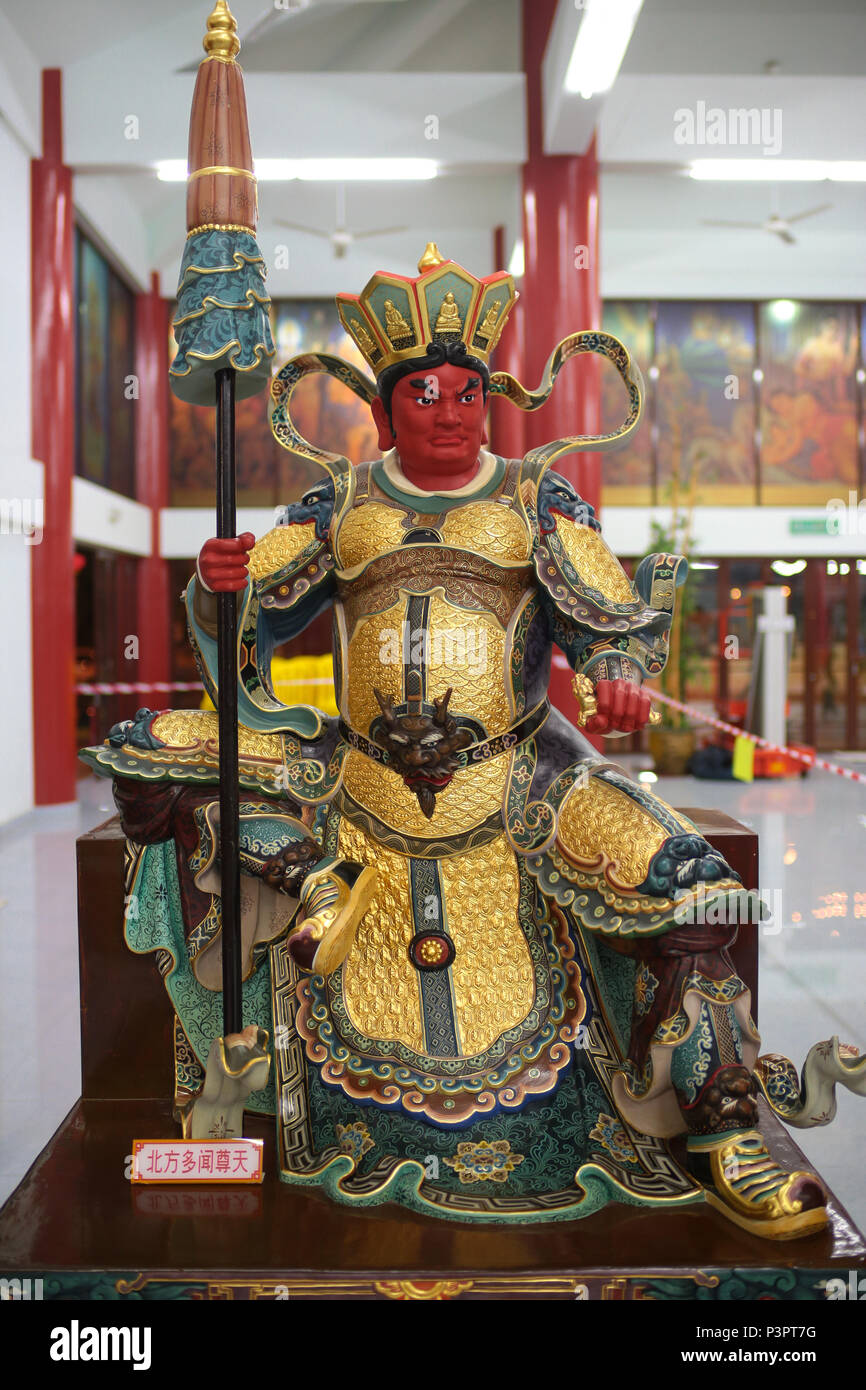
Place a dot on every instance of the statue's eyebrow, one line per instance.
(419, 384)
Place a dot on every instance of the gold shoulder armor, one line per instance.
(280, 547)
(595, 563)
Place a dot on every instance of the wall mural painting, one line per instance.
(323, 410)
(628, 476)
(808, 401)
(121, 404)
(105, 361)
(92, 347)
(705, 403)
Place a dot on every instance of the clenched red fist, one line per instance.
(222, 565)
(623, 707)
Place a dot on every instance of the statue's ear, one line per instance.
(382, 423)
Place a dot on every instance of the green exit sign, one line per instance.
(809, 526)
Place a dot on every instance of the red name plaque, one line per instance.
(196, 1160)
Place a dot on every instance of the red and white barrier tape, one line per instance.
(807, 759)
(134, 687)
(143, 687)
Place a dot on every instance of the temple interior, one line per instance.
(694, 185)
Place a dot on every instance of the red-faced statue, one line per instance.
(436, 423)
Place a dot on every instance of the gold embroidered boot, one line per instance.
(334, 897)
(748, 1186)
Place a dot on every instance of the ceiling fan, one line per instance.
(341, 238)
(775, 224)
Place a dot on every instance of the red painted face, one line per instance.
(437, 425)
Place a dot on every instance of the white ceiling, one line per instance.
(332, 77)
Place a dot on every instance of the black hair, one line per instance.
(455, 354)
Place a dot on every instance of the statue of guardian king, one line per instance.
(493, 970)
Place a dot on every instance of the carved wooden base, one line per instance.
(77, 1222)
(80, 1225)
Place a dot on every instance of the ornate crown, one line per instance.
(395, 317)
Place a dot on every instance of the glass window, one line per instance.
(797, 673)
(737, 626)
(699, 639)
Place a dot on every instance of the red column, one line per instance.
(53, 434)
(561, 282)
(508, 424)
(151, 467)
(560, 288)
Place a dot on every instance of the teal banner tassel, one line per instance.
(222, 316)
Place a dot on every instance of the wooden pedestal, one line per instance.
(77, 1222)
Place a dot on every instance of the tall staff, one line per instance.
(224, 349)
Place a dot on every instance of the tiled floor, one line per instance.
(40, 1066)
(813, 968)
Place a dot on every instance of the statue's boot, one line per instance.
(740, 1177)
(746, 1184)
(236, 1065)
(334, 897)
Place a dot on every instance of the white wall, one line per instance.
(184, 530)
(20, 479)
(20, 95)
(104, 209)
(99, 517)
(105, 518)
(747, 531)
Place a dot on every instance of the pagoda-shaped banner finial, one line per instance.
(221, 187)
(432, 257)
(222, 302)
(221, 39)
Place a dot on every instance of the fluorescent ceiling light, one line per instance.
(328, 170)
(772, 170)
(788, 568)
(600, 46)
(343, 170)
(517, 264)
(782, 311)
(171, 170)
